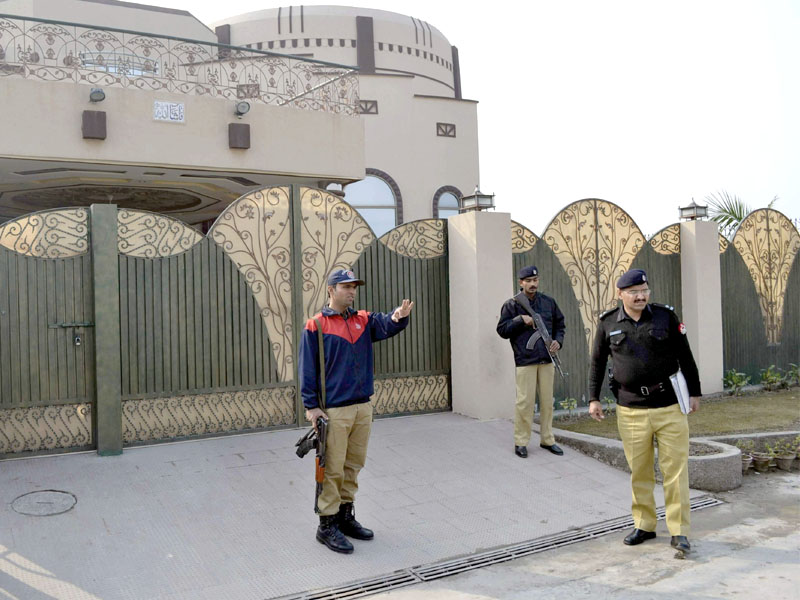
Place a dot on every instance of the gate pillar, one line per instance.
(701, 296)
(105, 276)
(482, 363)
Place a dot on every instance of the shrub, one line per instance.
(734, 381)
(569, 404)
(772, 379)
(793, 374)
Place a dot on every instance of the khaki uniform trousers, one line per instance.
(348, 435)
(533, 380)
(669, 425)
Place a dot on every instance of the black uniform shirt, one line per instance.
(643, 354)
(513, 328)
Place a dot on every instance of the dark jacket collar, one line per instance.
(327, 311)
(647, 314)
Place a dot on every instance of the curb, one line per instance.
(717, 472)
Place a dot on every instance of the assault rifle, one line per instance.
(316, 439)
(540, 332)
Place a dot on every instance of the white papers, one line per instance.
(681, 391)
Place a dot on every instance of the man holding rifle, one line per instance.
(347, 337)
(535, 352)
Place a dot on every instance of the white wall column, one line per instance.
(482, 363)
(702, 299)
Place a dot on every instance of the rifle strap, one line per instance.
(321, 364)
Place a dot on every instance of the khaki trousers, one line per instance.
(348, 435)
(533, 379)
(669, 425)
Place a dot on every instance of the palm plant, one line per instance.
(728, 211)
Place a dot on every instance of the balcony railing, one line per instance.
(60, 51)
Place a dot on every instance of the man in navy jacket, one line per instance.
(347, 337)
(535, 370)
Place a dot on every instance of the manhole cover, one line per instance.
(44, 504)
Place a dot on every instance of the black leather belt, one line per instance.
(646, 390)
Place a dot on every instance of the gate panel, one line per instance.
(46, 379)
(412, 370)
(196, 351)
(760, 289)
(555, 283)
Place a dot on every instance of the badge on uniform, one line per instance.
(358, 325)
(682, 328)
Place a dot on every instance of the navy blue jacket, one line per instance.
(348, 355)
(511, 327)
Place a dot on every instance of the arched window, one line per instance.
(377, 199)
(445, 202)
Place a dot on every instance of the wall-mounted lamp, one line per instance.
(97, 95)
(242, 108)
(477, 201)
(693, 212)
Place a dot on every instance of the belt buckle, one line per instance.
(645, 391)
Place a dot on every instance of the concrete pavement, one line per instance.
(231, 517)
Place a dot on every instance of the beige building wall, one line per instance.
(417, 158)
(42, 120)
(111, 13)
(414, 91)
(482, 371)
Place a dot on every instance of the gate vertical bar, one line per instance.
(298, 321)
(105, 278)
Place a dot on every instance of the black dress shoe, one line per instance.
(680, 543)
(349, 526)
(521, 451)
(328, 533)
(554, 449)
(637, 536)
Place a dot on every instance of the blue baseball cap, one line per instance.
(529, 271)
(631, 278)
(344, 276)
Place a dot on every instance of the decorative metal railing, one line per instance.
(60, 51)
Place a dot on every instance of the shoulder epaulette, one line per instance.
(667, 306)
(608, 312)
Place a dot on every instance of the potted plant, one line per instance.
(785, 454)
(746, 447)
(761, 460)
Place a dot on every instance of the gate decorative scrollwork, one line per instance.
(425, 238)
(255, 231)
(595, 241)
(768, 243)
(150, 235)
(333, 235)
(49, 234)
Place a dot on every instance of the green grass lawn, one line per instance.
(765, 411)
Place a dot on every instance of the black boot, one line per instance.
(328, 533)
(348, 524)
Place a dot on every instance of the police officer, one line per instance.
(647, 343)
(535, 370)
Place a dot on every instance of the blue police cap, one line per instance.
(343, 276)
(631, 278)
(529, 271)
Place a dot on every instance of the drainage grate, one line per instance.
(491, 557)
(359, 589)
(367, 587)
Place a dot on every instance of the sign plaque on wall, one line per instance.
(171, 112)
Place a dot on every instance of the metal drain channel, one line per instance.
(404, 577)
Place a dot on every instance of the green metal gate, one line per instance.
(208, 326)
(46, 334)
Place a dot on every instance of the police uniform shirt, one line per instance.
(644, 354)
